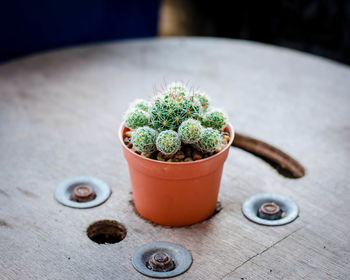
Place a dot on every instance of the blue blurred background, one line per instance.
(28, 26)
(320, 27)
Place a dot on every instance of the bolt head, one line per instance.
(161, 257)
(160, 261)
(270, 211)
(83, 193)
(270, 208)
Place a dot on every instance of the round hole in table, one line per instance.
(106, 231)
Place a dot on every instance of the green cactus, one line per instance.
(169, 110)
(215, 119)
(140, 104)
(209, 141)
(135, 118)
(167, 113)
(203, 99)
(144, 139)
(168, 142)
(190, 131)
(176, 91)
(175, 109)
(193, 107)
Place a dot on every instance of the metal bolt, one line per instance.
(270, 211)
(161, 262)
(261, 208)
(83, 193)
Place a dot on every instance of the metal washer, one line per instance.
(180, 255)
(64, 190)
(251, 206)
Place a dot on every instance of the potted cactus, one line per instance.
(175, 146)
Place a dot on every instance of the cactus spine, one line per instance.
(203, 100)
(135, 118)
(210, 140)
(215, 118)
(167, 113)
(190, 131)
(144, 139)
(168, 142)
(140, 104)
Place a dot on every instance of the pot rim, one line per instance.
(228, 125)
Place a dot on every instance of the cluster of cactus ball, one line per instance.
(176, 116)
(168, 142)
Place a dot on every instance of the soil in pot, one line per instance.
(187, 153)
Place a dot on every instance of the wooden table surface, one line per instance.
(59, 116)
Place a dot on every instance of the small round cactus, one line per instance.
(215, 119)
(190, 131)
(178, 86)
(140, 104)
(168, 142)
(210, 140)
(136, 118)
(176, 91)
(144, 139)
(203, 99)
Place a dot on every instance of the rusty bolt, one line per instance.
(270, 211)
(83, 193)
(161, 262)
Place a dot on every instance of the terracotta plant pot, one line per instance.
(175, 193)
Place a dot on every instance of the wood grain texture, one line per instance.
(59, 117)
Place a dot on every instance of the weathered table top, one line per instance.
(59, 115)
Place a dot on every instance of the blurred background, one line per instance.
(320, 27)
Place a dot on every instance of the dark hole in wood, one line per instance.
(285, 172)
(106, 231)
(280, 161)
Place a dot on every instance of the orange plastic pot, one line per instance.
(175, 193)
